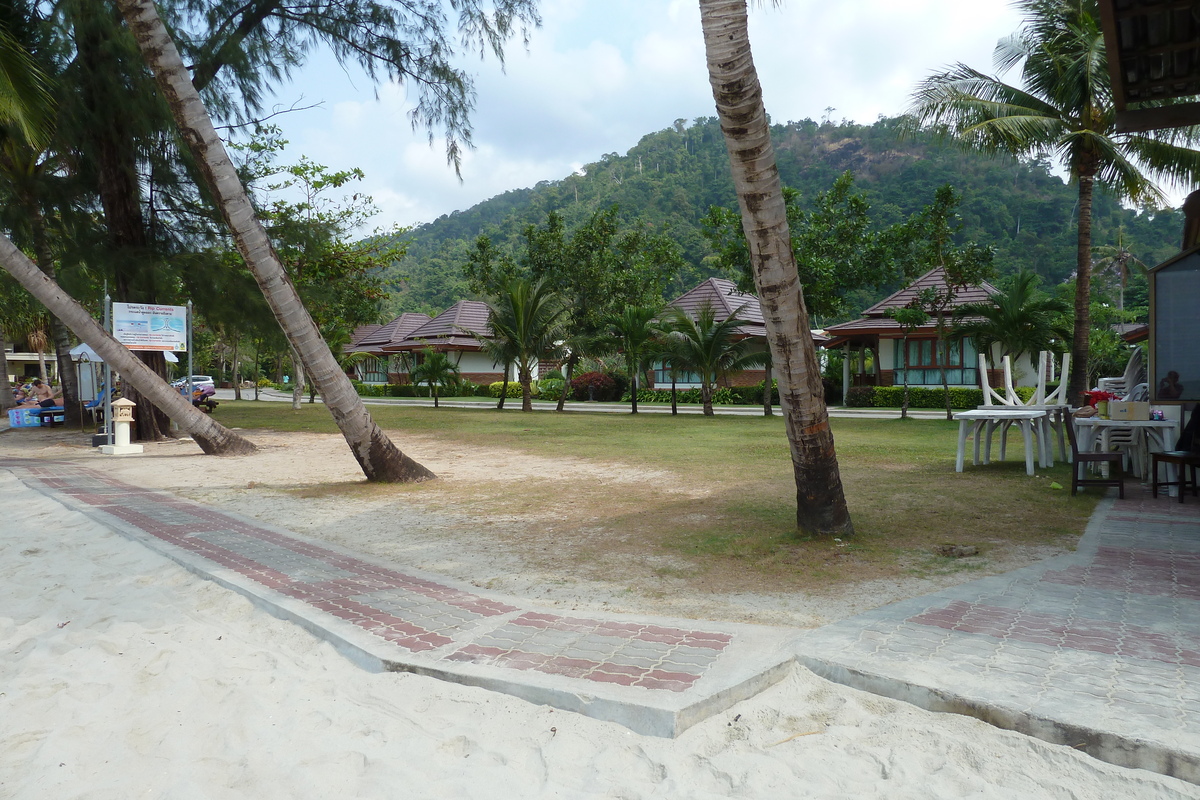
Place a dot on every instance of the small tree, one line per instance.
(909, 319)
(435, 369)
(1021, 319)
(634, 330)
(526, 318)
(709, 348)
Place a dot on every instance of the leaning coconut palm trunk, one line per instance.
(213, 438)
(820, 500)
(378, 457)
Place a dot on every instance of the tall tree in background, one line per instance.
(375, 453)
(820, 499)
(1062, 109)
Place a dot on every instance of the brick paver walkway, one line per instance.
(425, 623)
(1099, 649)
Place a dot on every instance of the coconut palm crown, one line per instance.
(1063, 108)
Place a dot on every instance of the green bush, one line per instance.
(402, 390)
(514, 389)
(860, 397)
(553, 375)
(923, 397)
(485, 390)
(370, 389)
(464, 388)
(550, 388)
(724, 396)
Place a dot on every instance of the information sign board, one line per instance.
(143, 326)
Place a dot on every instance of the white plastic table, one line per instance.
(985, 420)
(1160, 432)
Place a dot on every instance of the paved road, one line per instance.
(272, 395)
(1098, 649)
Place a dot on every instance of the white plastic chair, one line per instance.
(1135, 373)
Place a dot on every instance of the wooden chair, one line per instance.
(1185, 461)
(1080, 461)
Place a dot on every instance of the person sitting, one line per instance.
(44, 395)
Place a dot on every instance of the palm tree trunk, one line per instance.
(376, 454)
(212, 437)
(72, 414)
(944, 346)
(526, 377)
(633, 389)
(562, 398)
(768, 390)
(297, 379)
(6, 394)
(504, 387)
(706, 393)
(820, 499)
(904, 357)
(1077, 383)
(237, 372)
(674, 393)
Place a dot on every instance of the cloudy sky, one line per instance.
(599, 74)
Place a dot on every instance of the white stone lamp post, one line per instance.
(122, 411)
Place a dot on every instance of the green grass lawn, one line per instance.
(903, 493)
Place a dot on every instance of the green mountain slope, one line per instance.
(671, 177)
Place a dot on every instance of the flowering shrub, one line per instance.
(594, 386)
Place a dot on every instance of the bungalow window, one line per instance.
(373, 370)
(662, 376)
(924, 362)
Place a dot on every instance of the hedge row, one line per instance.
(920, 397)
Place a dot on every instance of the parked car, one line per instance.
(198, 382)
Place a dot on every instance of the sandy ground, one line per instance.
(125, 676)
(478, 524)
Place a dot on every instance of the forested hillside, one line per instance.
(670, 178)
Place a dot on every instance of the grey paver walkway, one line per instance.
(1098, 649)
(655, 676)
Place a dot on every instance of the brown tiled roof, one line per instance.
(875, 320)
(450, 329)
(723, 295)
(395, 331)
(935, 278)
(360, 333)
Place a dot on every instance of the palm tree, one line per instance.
(709, 347)
(820, 499)
(379, 458)
(634, 330)
(1118, 259)
(435, 369)
(526, 323)
(1063, 108)
(1021, 319)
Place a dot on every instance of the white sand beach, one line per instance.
(124, 675)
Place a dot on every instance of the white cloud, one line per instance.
(601, 73)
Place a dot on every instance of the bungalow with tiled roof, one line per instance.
(725, 299)
(453, 332)
(882, 336)
(384, 367)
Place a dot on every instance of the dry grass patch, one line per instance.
(665, 503)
